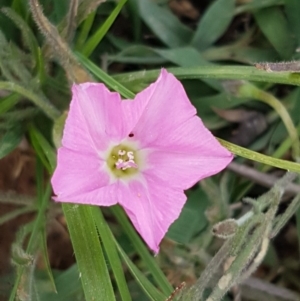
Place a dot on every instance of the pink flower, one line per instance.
(141, 153)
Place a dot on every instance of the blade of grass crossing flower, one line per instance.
(94, 274)
(111, 253)
(104, 77)
(140, 247)
(96, 38)
(145, 284)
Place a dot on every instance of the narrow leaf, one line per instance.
(10, 140)
(213, 23)
(164, 24)
(272, 22)
(94, 274)
(140, 247)
(145, 284)
(111, 253)
(96, 38)
(292, 10)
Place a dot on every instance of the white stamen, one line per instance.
(130, 155)
(123, 163)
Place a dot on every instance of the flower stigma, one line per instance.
(122, 161)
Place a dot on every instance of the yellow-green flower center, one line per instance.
(122, 161)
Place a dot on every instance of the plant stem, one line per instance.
(255, 156)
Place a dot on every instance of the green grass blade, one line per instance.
(111, 253)
(164, 24)
(272, 22)
(45, 145)
(145, 284)
(141, 249)
(43, 148)
(10, 140)
(213, 23)
(46, 259)
(88, 252)
(292, 9)
(96, 38)
(9, 102)
(104, 77)
(85, 29)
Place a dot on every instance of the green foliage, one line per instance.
(47, 45)
(10, 140)
(192, 219)
(210, 28)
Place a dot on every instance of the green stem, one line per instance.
(249, 90)
(216, 72)
(255, 156)
(42, 103)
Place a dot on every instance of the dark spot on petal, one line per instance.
(131, 135)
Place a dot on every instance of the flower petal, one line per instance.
(104, 196)
(152, 207)
(158, 109)
(76, 135)
(94, 118)
(77, 173)
(183, 159)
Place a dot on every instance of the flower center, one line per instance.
(126, 160)
(122, 161)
